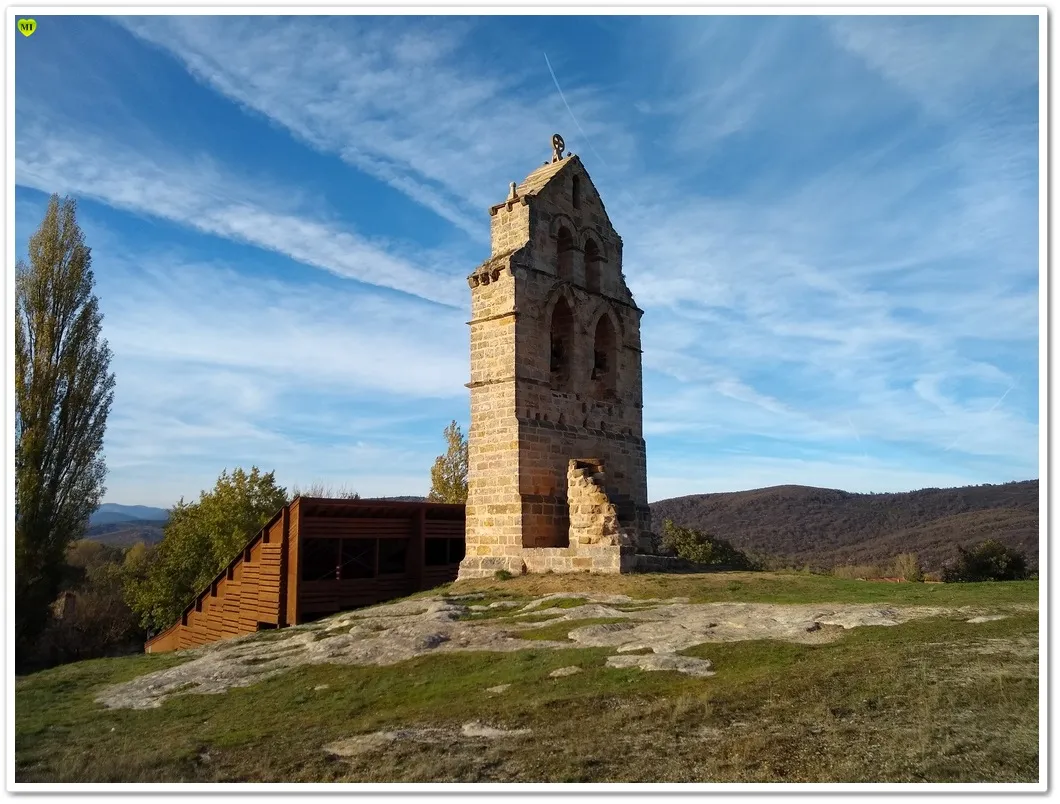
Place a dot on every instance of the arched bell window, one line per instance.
(593, 263)
(605, 357)
(565, 254)
(561, 336)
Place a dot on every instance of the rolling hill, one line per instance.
(126, 533)
(826, 527)
(113, 513)
(125, 525)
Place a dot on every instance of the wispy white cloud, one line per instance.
(966, 61)
(799, 305)
(217, 369)
(198, 193)
(350, 340)
(400, 100)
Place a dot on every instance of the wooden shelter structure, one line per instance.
(320, 556)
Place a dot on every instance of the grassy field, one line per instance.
(932, 700)
(757, 587)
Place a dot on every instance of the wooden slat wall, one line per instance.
(445, 528)
(247, 593)
(165, 641)
(319, 527)
(250, 590)
(269, 583)
(235, 605)
(330, 596)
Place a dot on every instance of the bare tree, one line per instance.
(318, 489)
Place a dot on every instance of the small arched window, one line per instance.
(576, 192)
(593, 260)
(561, 332)
(605, 357)
(565, 254)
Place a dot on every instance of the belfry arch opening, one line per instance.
(565, 254)
(561, 346)
(593, 261)
(605, 358)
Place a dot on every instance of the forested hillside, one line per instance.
(826, 527)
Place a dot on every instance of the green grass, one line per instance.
(761, 587)
(565, 603)
(558, 631)
(931, 700)
(509, 612)
(544, 617)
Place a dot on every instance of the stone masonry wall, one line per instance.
(552, 294)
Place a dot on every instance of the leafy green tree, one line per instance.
(137, 559)
(199, 540)
(63, 394)
(987, 561)
(87, 554)
(701, 548)
(449, 473)
(136, 567)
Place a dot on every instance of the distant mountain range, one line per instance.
(826, 527)
(112, 513)
(125, 525)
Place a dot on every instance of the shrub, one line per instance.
(987, 561)
(907, 567)
(701, 548)
(503, 575)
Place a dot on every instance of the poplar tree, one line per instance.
(449, 473)
(63, 393)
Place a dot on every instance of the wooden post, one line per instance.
(285, 543)
(294, 548)
(416, 555)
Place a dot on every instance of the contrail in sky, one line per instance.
(572, 117)
(858, 437)
(555, 81)
(992, 409)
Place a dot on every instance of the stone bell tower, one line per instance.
(556, 469)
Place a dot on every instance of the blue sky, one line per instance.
(830, 222)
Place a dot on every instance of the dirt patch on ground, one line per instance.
(656, 661)
(648, 637)
(473, 731)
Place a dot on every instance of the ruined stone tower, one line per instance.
(556, 476)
